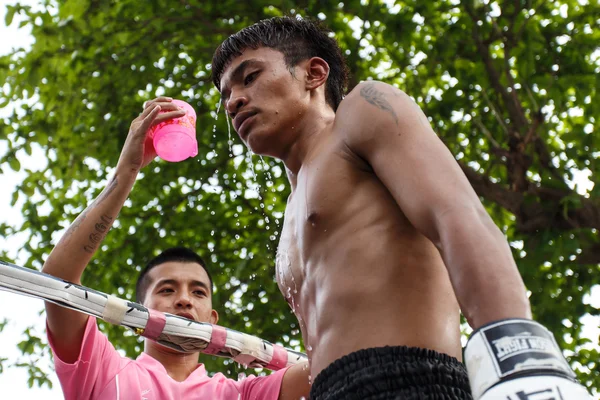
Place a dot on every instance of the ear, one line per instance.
(317, 72)
(214, 317)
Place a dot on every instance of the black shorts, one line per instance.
(393, 373)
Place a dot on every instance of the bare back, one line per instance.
(355, 271)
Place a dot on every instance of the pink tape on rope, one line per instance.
(217, 340)
(155, 325)
(279, 359)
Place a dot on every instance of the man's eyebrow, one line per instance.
(201, 284)
(174, 282)
(238, 73)
(166, 282)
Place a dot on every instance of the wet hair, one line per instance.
(177, 254)
(298, 40)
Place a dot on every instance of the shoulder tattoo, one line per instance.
(370, 93)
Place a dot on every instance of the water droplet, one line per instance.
(229, 141)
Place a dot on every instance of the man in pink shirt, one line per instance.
(177, 282)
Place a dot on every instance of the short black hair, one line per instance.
(298, 40)
(178, 254)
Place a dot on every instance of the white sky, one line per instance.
(23, 311)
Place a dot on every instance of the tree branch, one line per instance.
(492, 191)
(494, 76)
(495, 111)
(546, 213)
(487, 133)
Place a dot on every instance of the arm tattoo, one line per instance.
(370, 93)
(103, 225)
(100, 230)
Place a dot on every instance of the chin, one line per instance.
(262, 144)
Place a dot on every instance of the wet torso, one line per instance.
(354, 270)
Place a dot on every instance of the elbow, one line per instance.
(472, 218)
(456, 223)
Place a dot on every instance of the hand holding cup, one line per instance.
(137, 153)
(175, 139)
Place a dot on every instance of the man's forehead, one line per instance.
(178, 271)
(250, 56)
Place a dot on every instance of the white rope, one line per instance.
(114, 310)
(178, 333)
(253, 344)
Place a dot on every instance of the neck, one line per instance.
(178, 365)
(310, 132)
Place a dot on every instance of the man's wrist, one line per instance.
(126, 175)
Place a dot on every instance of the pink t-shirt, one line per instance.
(101, 373)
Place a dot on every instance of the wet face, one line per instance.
(182, 289)
(264, 100)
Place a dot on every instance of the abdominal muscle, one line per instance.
(352, 292)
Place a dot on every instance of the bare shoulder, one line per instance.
(374, 110)
(379, 96)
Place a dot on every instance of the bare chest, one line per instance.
(326, 201)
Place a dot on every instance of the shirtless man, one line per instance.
(177, 281)
(384, 239)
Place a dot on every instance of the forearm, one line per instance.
(484, 275)
(73, 252)
(296, 382)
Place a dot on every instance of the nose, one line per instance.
(235, 104)
(183, 301)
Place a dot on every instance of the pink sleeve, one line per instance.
(263, 387)
(97, 365)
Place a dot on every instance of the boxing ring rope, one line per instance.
(167, 329)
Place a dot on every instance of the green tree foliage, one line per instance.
(509, 85)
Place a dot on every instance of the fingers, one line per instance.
(165, 116)
(166, 104)
(156, 115)
(159, 110)
(148, 103)
(148, 119)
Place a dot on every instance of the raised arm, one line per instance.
(386, 128)
(79, 243)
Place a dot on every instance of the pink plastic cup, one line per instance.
(175, 140)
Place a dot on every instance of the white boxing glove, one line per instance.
(518, 359)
